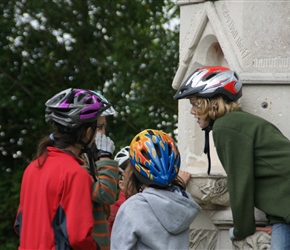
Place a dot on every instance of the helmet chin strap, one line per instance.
(206, 149)
(88, 153)
(92, 166)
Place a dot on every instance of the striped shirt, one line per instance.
(104, 191)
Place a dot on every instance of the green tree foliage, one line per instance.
(121, 48)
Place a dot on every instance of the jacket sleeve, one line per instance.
(77, 206)
(236, 153)
(105, 188)
(18, 221)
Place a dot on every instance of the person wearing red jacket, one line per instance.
(55, 210)
(123, 158)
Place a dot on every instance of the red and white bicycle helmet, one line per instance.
(211, 81)
(73, 107)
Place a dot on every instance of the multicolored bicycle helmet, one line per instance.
(211, 81)
(155, 158)
(73, 107)
(122, 156)
(110, 110)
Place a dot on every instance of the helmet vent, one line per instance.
(79, 98)
(209, 76)
(235, 74)
(157, 149)
(145, 154)
(121, 155)
(169, 150)
(150, 132)
(64, 112)
(70, 97)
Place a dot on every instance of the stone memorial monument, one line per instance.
(252, 38)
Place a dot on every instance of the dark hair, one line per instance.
(133, 185)
(62, 138)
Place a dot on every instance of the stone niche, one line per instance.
(252, 38)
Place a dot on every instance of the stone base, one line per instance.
(210, 229)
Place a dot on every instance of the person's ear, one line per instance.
(88, 136)
(88, 133)
(121, 184)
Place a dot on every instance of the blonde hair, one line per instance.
(214, 107)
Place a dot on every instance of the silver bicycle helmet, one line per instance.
(122, 156)
(211, 81)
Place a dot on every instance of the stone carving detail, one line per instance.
(203, 239)
(259, 241)
(232, 30)
(209, 191)
(270, 62)
(216, 192)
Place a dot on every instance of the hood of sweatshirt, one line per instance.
(174, 211)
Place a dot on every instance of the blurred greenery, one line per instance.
(122, 48)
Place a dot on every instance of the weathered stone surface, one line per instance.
(251, 37)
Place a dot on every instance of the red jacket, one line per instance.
(114, 209)
(55, 210)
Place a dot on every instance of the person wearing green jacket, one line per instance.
(253, 151)
(104, 189)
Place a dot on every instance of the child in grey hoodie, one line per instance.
(158, 211)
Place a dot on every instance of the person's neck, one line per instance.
(76, 149)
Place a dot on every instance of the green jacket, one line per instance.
(104, 190)
(256, 158)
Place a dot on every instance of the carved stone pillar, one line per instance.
(248, 37)
(210, 229)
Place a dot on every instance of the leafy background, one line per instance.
(128, 50)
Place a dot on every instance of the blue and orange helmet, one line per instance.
(155, 158)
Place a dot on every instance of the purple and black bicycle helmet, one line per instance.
(108, 111)
(73, 107)
(155, 158)
(211, 81)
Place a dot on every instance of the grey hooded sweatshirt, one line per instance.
(154, 219)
